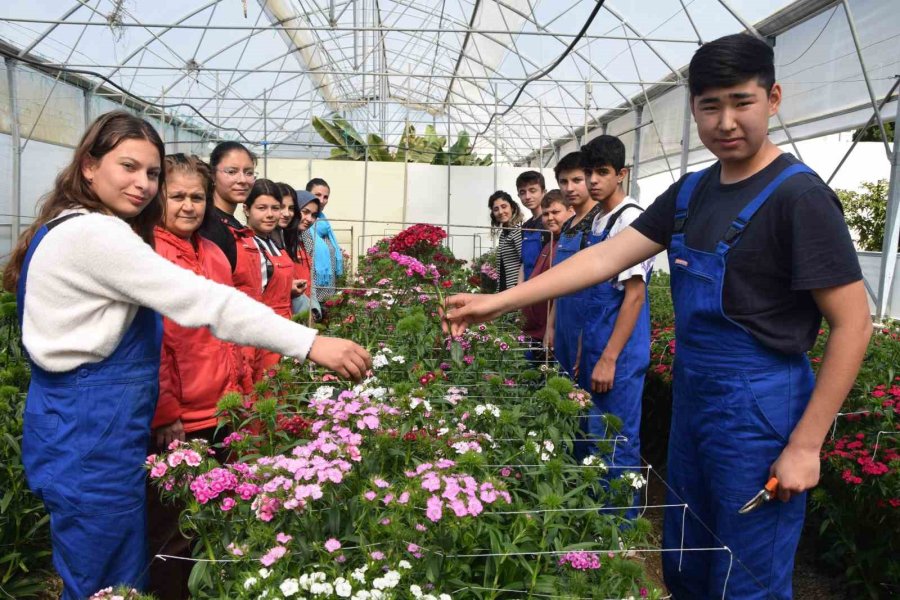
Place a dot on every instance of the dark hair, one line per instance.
(290, 234)
(529, 177)
(555, 196)
(190, 164)
(222, 150)
(316, 181)
(262, 187)
(569, 162)
(731, 60)
(603, 151)
(72, 190)
(516, 218)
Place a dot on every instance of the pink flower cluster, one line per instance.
(415, 267)
(581, 561)
(489, 271)
(460, 493)
(359, 411)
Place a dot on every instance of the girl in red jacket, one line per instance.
(196, 368)
(274, 268)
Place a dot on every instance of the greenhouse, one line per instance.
(413, 397)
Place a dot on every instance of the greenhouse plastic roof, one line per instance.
(260, 69)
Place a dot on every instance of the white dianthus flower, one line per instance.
(250, 582)
(289, 587)
(379, 361)
(415, 590)
(264, 573)
(342, 587)
(404, 564)
(635, 480)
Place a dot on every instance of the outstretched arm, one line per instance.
(586, 268)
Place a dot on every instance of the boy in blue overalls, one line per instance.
(531, 188)
(615, 350)
(759, 252)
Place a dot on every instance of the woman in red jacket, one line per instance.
(196, 368)
(274, 268)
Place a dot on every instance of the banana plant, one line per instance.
(429, 148)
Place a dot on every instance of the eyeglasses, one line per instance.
(233, 173)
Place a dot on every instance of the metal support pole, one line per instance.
(265, 140)
(87, 108)
(634, 191)
(686, 131)
(448, 170)
(541, 136)
(496, 130)
(865, 73)
(891, 232)
(16, 204)
(863, 128)
(587, 110)
(365, 184)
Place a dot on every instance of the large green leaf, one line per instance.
(351, 135)
(378, 150)
(328, 132)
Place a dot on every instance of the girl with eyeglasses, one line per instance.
(90, 291)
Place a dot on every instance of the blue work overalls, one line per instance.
(84, 445)
(567, 328)
(601, 309)
(735, 404)
(532, 243)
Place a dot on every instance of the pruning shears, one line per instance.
(763, 496)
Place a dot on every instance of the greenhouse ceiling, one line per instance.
(517, 75)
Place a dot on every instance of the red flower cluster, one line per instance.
(853, 454)
(294, 426)
(418, 238)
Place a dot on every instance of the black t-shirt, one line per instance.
(797, 242)
(217, 229)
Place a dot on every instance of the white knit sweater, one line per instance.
(89, 276)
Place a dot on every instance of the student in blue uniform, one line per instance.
(90, 293)
(531, 188)
(759, 252)
(615, 348)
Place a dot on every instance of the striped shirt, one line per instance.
(509, 257)
(267, 247)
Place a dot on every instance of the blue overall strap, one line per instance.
(733, 235)
(23, 275)
(683, 200)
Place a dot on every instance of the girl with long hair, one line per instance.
(90, 289)
(506, 219)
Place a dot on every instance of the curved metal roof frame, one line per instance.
(431, 59)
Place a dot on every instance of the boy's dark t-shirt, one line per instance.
(797, 242)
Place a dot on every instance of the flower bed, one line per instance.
(447, 473)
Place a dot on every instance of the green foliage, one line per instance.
(24, 526)
(873, 133)
(865, 213)
(350, 145)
